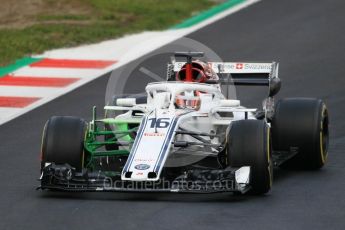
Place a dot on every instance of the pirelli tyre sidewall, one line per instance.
(249, 144)
(63, 141)
(301, 125)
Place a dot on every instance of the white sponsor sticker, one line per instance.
(234, 67)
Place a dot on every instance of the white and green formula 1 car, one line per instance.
(185, 135)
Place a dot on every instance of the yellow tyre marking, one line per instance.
(42, 139)
(323, 155)
(321, 148)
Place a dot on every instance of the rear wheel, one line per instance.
(301, 124)
(63, 141)
(249, 145)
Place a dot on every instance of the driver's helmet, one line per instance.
(188, 100)
(201, 72)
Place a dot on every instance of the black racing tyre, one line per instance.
(249, 144)
(63, 141)
(301, 124)
(140, 99)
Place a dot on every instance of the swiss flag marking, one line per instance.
(239, 66)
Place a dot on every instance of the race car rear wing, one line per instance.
(244, 73)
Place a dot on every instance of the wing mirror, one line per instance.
(126, 102)
(274, 86)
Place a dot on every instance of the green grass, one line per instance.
(103, 19)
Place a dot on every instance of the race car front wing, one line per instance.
(65, 178)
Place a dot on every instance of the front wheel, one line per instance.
(63, 141)
(249, 145)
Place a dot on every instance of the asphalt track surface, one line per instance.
(305, 36)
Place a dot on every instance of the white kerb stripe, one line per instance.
(57, 72)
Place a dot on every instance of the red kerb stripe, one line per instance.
(17, 102)
(37, 81)
(73, 63)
